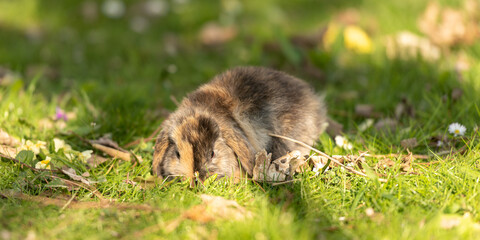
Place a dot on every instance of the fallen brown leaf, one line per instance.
(334, 128)
(96, 160)
(386, 125)
(108, 142)
(8, 151)
(457, 93)
(364, 110)
(215, 207)
(349, 16)
(113, 152)
(404, 107)
(384, 163)
(447, 26)
(73, 175)
(325, 155)
(213, 34)
(7, 140)
(264, 170)
(409, 143)
(211, 209)
(110, 147)
(7, 77)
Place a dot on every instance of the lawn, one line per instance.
(75, 71)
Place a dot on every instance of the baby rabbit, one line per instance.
(219, 128)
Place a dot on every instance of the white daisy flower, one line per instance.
(343, 142)
(318, 167)
(457, 129)
(45, 164)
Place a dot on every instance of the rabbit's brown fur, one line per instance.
(219, 128)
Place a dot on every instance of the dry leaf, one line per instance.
(386, 125)
(404, 108)
(448, 26)
(8, 151)
(36, 70)
(308, 41)
(278, 170)
(384, 163)
(334, 128)
(110, 147)
(6, 139)
(214, 34)
(73, 175)
(407, 161)
(349, 16)
(113, 152)
(364, 110)
(457, 93)
(108, 142)
(7, 77)
(439, 141)
(264, 170)
(95, 160)
(409, 143)
(215, 207)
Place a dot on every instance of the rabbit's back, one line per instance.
(261, 101)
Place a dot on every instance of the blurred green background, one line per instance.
(131, 57)
(409, 67)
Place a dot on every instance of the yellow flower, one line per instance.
(357, 40)
(330, 35)
(85, 155)
(60, 144)
(34, 147)
(45, 164)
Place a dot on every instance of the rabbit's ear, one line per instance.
(242, 149)
(161, 146)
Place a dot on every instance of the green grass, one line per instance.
(121, 81)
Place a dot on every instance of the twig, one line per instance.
(69, 201)
(325, 155)
(110, 168)
(94, 191)
(396, 155)
(80, 137)
(259, 186)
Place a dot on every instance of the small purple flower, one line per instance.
(60, 114)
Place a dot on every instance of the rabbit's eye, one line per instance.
(213, 154)
(178, 154)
